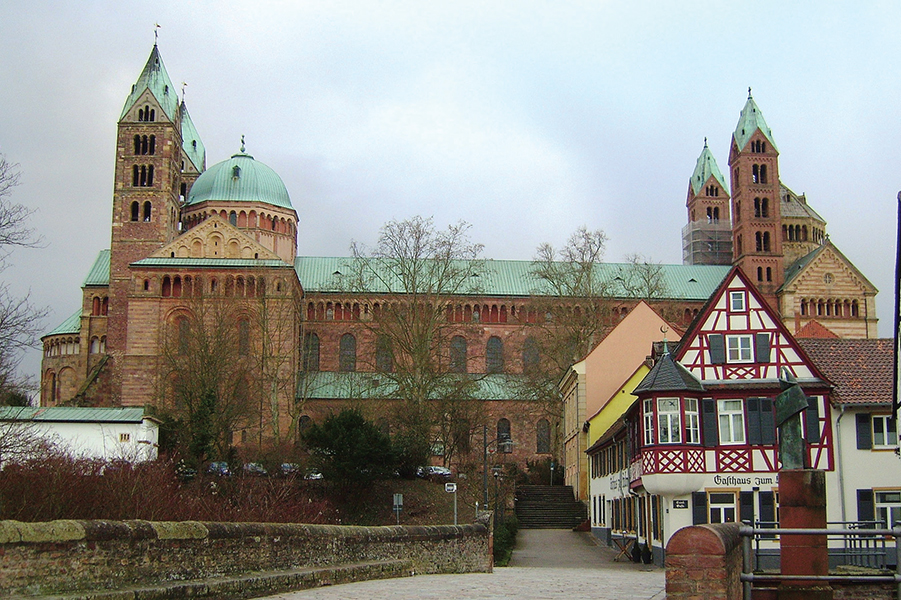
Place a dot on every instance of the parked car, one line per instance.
(435, 473)
(219, 468)
(313, 475)
(288, 469)
(255, 469)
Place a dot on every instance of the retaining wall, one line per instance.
(64, 557)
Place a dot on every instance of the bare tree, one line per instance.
(21, 439)
(642, 279)
(208, 374)
(411, 277)
(572, 301)
(274, 350)
(20, 320)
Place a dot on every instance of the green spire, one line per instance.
(705, 169)
(751, 120)
(154, 78)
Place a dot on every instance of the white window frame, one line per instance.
(883, 436)
(648, 407)
(731, 421)
(740, 348)
(669, 421)
(737, 302)
(722, 511)
(692, 421)
(888, 506)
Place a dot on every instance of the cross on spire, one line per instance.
(156, 33)
(242, 143)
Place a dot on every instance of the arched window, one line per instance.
(543, 437)
(303, 423)
(310, 352)
(504, 439)
(766, 241)
(769, 273)
(759, 273)
(762, 173)
(152, 147)
(135, 211)
(494, 355)
(758, 239)
(95, 306)
(384, 357)
(104, 306)
(184, 335)
(233, 218)
(147, 211)
(244, 336)
(167, 287)
(765, 207)
(458, 354)
(531, 358)
(347, 353)
(95, 345)
(137, 144)
(757, 208)
(135, 177)
(755, 174)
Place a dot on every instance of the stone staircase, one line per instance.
(548, 507)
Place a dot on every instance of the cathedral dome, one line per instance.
(240, 179)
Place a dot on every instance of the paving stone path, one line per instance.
(547, 564)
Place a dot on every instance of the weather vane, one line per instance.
(242, 143)
(156, 33)
(183, 86)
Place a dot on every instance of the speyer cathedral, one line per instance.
(183, 232)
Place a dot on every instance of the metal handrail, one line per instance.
(748, 577)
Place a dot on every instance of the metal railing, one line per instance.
(861, 542)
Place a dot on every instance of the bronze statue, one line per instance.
(789, 406)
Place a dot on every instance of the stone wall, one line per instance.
(62, 557)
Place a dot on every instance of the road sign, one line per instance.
(450, 488)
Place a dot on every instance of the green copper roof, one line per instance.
(191, 140)
(154, 78)
(751, 120)
(332, 385)
(240, 179)
(99, 273)
(210, 263)
(515, 278)
(71, 326)
(705, 169)
(130, 414)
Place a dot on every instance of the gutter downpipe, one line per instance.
(841, 470)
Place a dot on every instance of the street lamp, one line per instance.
(505, 443)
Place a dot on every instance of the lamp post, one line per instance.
(498, 517)
(507, 442)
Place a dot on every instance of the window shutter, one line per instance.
(763, 347)
(866, 506)
(746, 507)
(698, 508)
(864, 432)
(812, 421)
(754, 434)
(767, 422)
(767, 512)
(716, 342)
(709, 423)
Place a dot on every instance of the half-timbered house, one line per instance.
(699, 443)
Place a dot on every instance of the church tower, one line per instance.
(707, 238)
(756, 211)
(155, 164)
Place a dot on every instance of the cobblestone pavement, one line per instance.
(547, 564)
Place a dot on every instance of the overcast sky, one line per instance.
(526, 119)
